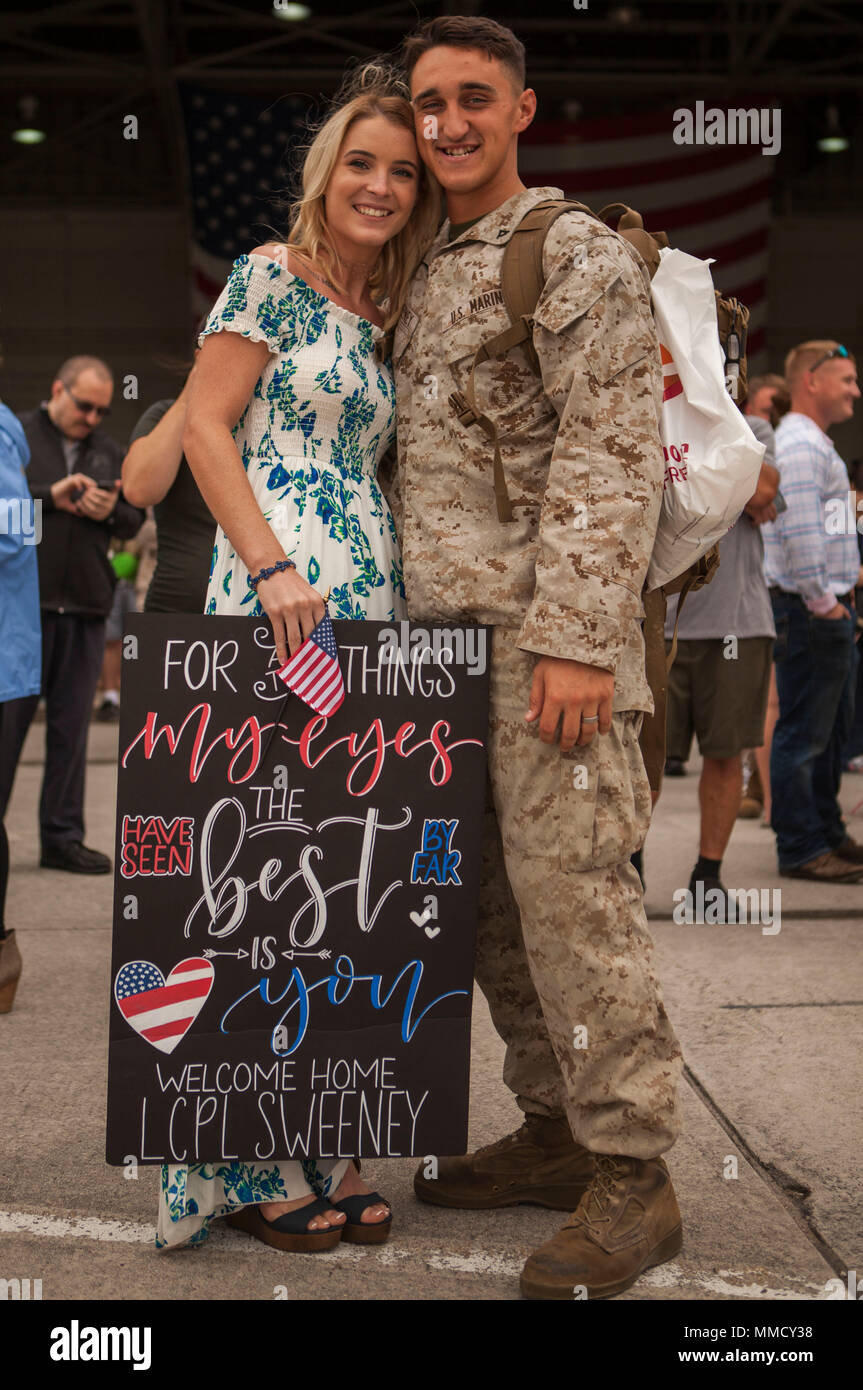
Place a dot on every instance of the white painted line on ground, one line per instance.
(728, 1283)
(91, 1227)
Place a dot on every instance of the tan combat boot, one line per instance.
(541, 1163)
(627, 1221)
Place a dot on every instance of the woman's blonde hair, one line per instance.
(373, 90)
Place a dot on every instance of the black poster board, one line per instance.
(295, 897)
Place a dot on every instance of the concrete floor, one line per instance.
(770, 1025)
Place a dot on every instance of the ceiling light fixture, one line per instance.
(28, 132)
(832, 139)
(289, 10)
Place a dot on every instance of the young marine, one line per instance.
(563, 951)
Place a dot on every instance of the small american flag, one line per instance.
(314, 673)
(161, 1010)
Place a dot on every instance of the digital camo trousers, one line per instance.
(563, 950)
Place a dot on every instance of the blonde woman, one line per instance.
(290, 413)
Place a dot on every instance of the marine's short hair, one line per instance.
(467, 31)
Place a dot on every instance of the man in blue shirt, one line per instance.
(811, 565)
(20, 527)
(76, 588)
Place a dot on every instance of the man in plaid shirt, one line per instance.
(811, 563)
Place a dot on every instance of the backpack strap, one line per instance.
(657, 664)
(630, 226)
(694, 578)
(652, 736)
(522, 278)
(732, 319)
(522, 282)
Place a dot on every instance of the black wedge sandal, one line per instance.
(358, 1232)
(288, 1232)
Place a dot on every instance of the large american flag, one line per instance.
(240, 155)
(314, 674)
(712, 200)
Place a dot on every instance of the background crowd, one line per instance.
(766, 670)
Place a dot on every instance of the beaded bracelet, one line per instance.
(269, 571)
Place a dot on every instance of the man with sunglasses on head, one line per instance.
(75, 475)
(811, 563)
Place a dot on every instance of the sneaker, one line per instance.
(108, 712)
(675, 767)
(826, 868)
(849, 850)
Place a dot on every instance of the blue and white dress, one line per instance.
(320, 419)
(318, 423)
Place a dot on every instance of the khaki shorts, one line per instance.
(722, 700)
(124, 602)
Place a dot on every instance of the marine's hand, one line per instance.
(572, 691)
(293, 607)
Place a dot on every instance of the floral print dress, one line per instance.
(319, 420)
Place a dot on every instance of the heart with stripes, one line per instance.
(163, 1010)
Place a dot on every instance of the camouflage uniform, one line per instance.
(563, 941)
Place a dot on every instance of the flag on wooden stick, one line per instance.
(313, 673)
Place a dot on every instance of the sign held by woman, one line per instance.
(295, 897)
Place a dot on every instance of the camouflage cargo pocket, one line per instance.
(604, 798)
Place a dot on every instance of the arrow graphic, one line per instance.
(240, 955)
(319, 955)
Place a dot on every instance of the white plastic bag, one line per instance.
(712, 458)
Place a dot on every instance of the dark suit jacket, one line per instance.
(75, 575)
